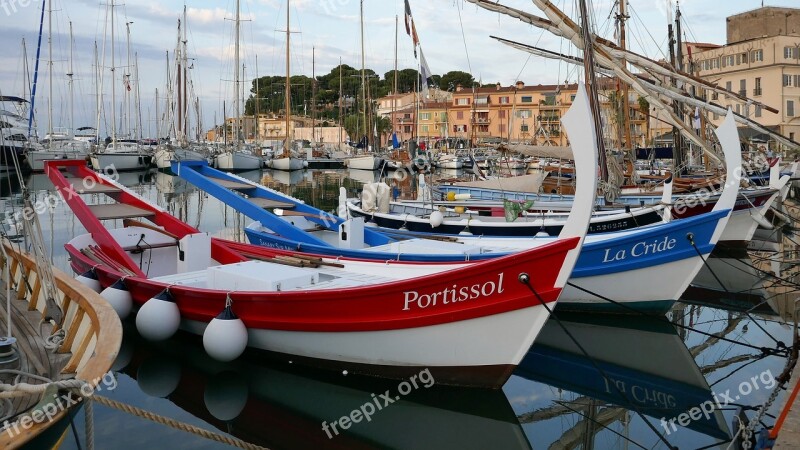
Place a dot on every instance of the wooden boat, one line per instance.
(121, 156)
(237, 160)
(364, 162)
(286, 163)
(336, 321)
(92, 337)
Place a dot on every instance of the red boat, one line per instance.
(469, 326)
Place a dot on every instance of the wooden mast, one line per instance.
(591, 81)
(287, 91)
(623, 16)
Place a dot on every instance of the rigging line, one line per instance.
(464, 38)
(755, 360)
(766, 350)
(525, 279)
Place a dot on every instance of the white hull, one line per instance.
(668, 280)
(237, 161)
(742, 224)
(120, 161)
(500, 339)
(165, 157)
(37, 158)
(364, 162)
(286, 164)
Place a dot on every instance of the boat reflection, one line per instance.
(282, 406)
(646, 368)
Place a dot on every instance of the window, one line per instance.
(462, 101)
(729, 85)
(789, 108)
(572, 98)
(757, 55)
(425, 116)
(728, 61)
(424, 128)
(738, 109)
(743, 88)
(791, 52)
(407, 129)
(503, 100)
(523, 114)
(502, 113)
(758, 110)
(460, 115)
(527, 99)
(444, 117)
(482, 100)
(524, 128)
(459, 128)
(744, 57)
(787, 80)
(796, 79)
(407, 116)
(791, 135)
(757, 90)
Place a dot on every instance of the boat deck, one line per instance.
(33, 356)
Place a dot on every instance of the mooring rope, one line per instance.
(182, 426)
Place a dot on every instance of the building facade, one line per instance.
(761, 60)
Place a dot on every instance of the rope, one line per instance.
(54, 341)
(144, 414)
(89, 412)
(23, 389)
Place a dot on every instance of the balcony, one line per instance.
(480, 120)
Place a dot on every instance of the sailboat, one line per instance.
(59, 143)
(366, 161)
(286, 161)
(237, 158)
(167, 153)
(118, 155)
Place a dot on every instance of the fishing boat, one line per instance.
(121, 156)
(612, 265)
(364, 162)
(237, 159)
(326, 315)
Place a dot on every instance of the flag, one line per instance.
(424, 71)
(696, 119)
(395, 141)
(411, 30)
(127, 82)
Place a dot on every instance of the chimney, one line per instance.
(498, 85)
(459, 87)
(520, 84)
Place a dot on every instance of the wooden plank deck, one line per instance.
(34, 358)
(118, 211)
(267, 203)
(230, 184)
(92, 187)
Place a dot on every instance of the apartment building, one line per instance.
(761, 60)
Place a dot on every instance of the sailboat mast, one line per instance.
(50, 74)
(257, 96)
(71, 91)
(184, 54)
(678, 152)
(287, 90)
(341, 103)
(128, 80)
(394, 88)
(363, 74)
(138, 104)
(623, 16)
(158, 120)
(313, 96)
(591, 81)
(113, 82)
(236, 73)
(36, 73)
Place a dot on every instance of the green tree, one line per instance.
(452, 79)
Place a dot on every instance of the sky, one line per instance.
(454, 35)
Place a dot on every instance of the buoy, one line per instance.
(436, 218)
(225, 337)
(226, 395)
(89, 279)
(158, 376)
(459, 209)
(159, 318)
(119, 297)
(451, 196)
(466, 196)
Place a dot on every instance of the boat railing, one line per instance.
(92, 332)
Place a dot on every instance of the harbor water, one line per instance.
(599, 381)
